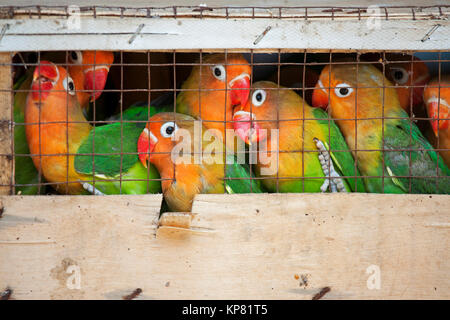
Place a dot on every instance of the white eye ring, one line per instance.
(78, 59)
(343, 93)
(166, 132)
(220, 75)
(405, 75)
(69, 85)
(258, 97)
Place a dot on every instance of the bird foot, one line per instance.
(333, 181)
(92, 189)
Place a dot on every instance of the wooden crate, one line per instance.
(260, 246)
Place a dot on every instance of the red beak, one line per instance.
(319, 97)
(44, 76)
(145, 145)
(240, 90)
(95, 81)
(443, 114)
(249, 131)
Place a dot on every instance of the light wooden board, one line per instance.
(6, 137)
(163, 3)
(278, 246)
(184, 33)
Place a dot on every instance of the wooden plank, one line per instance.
(6, 133)
(179, 34)
(267, 246)
(221, 3)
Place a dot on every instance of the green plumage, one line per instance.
(421, 161)
(115, 149)
(343, 161)
(243, 183)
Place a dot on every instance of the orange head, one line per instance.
(160, 136)
(412, 72)
(89, 70)
(268, 103)
(217, 75)
(437, 99)
(49, 79)
(337, 88)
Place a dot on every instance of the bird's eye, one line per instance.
(343, 90)
(69, 86)
(218, 72)
(76, 57)
(168, 129)
(258, 98)
(399, 75)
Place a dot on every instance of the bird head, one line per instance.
(90, 71)
(49, 78)
(409, 75)
(351, 91)
(161, 134)
(254, 121)
(437, 99)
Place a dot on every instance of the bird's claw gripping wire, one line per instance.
(333, 180)
(90, 188)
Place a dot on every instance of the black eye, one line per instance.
(71, 86)
(398, 75)
(74, 55)
(217, 72)
(259, 96)
(343, 91)
(170, 130)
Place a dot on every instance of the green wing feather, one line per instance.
(245, 183)
(425, 162)
(115, 149)
(343, 162)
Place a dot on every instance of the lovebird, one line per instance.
(299, 142)
(26, 175)
(169, 142)
(437, 100)
(222, 88)
(60, 141)
(214, 89)
(359, 114)
(410, 77)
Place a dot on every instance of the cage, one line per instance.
(247, 235)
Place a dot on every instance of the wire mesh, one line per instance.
(158, 79)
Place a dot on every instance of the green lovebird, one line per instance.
(293, 154)
(405, 162)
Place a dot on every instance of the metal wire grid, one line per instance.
(304, 63)
(235, 12)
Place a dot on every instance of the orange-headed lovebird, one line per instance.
(437, 99)
(367, 114)
(51, 103)
(62, 144)
(213, 90)
(410, 76)
(26, 176)
(181, 180)
(89, 71)
(296, 141)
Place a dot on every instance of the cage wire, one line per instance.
(139, 79)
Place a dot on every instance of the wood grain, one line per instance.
(6, 134)
(277, 246)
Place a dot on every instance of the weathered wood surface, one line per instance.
(286, 246)
(6, 137)
(109, 33)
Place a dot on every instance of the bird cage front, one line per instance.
(224, 151)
